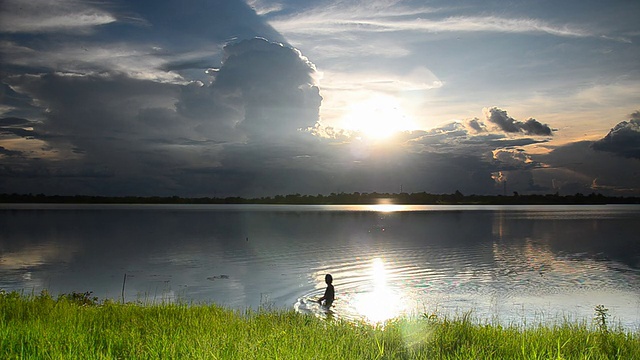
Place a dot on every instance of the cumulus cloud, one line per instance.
(510, 125)
(127, 128)
(203, 108)
(82, 102)
(516, 158)
(275, 85)
(262, 91)
(623, 139)
(499, 154)
(476, 125)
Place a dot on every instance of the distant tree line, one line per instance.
(421, 198)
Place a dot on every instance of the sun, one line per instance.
(377, 118)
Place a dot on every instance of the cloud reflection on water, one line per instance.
(439, 259)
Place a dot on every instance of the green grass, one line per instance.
(80, 327)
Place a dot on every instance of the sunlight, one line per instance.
(386, 205)
(377, 118)
(382, 303)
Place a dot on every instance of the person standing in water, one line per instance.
(329, 294)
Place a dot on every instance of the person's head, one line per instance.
(328, 278)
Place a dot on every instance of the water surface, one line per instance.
(506, 263)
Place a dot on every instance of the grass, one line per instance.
(77, 326)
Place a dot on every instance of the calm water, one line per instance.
(508, 264)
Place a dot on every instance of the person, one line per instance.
(329, 294)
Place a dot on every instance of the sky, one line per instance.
(257, 98)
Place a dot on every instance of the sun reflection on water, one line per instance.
(382, 302)
(386, 207)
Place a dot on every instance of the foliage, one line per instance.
(602, 313)
(43, 327)
(420, 198)
(82, 299)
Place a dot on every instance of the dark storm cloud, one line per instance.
(165, 39)
(185, 35)
(18, 105)
(126, 108)
(499, 140)
(17, 131)
(511, 125)
(17, 127)
(476, 125)
(6, 152)
(462, 138)
(262, 88)
(534, 127)
(275, 84)
(136, 129)
(327, 167)
(182, 24)
(465, 156)
(623, 139)
(12, 121)
(578, 167)
(93, 106)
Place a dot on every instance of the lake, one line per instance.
(507, 264)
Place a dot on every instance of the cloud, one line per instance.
(510, 125)
(384, 17)
(476, 125)
(6, 152)
(96, 122)
(164, 42)
(569, 169)
(264, 8)
(573, 167)
(418, 79)
(534, 127)
(137, 61)
(496, 24)
(42, 16)
(623, 139)
(90, 111)
(12, 121)
(262, 91)
(512, 157)
(461, 138)
(128, 129)
(275, 85)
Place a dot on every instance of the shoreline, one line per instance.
(356, 198)
(78, 325)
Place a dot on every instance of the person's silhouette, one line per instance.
(329, 294)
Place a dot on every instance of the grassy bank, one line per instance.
(80, 327)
